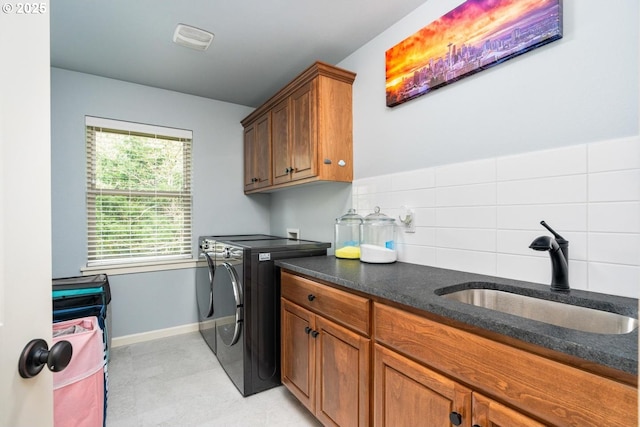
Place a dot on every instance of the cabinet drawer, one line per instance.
(343, 307)
(552, 391)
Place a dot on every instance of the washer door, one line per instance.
(229, 299)
(204, 289)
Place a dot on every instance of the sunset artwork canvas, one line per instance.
(476, 35)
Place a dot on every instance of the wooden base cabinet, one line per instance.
(324, 364)
(489, 413)
(407, 393)
(342, 353)
(544, 389)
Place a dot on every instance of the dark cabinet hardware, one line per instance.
(455, 418)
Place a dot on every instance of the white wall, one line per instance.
(581, 88)
(148, 301)
(455, 154)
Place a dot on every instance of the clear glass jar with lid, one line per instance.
(378, 238)
(347, 235)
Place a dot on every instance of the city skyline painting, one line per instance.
(474, 36)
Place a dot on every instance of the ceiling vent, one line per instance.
(192, 37)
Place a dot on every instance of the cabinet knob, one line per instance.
(455, 418)
(287, 170)
(307, 330)
(315, 333)
(311, 297)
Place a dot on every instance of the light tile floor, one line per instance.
(177, 381)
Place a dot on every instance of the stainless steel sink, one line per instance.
(556, 313)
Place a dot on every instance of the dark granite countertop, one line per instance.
(418, 286)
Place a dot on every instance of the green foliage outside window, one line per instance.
(139, 196)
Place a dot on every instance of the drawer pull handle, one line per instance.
(315, 334)
(455, 418)
(307, 330)
(311, 297)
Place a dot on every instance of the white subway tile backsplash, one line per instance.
(415, 254)
(413, 180)
(466, 217)
(578, 275)
(466, 195)
(423, 236)
(475, 172)
(481, 216)
(417, 198)
(470, 261)
(615, 279)
(614, 186)
(560, 217)
(425, 217)
(614, 155)
(615, 248)
(541, 164)
(527, 268)
(466, 238)
(563, 189)
(622, 217)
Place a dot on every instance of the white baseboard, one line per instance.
(153, 335)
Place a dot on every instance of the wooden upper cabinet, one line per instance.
(311, 132)
(303, 132)
(257, 154)
(280, 135)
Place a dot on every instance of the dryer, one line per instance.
(239, 304)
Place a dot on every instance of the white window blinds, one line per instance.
(138, 192)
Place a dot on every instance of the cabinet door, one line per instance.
(249, 155)
(263, 151)
(257, 154)
(304, 131)
(342, 375)
(280, 141)
(409, 394)
(489, 413)
(298, 353)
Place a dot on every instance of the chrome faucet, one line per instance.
(558, 248)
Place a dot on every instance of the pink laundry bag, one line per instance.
(79, 389)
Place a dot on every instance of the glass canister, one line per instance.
(378, 238)
(347, 235)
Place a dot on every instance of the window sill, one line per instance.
(141, 267)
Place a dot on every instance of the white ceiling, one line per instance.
(259, 45)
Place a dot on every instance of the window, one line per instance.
(138, 192)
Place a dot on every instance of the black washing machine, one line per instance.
(238, 293)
